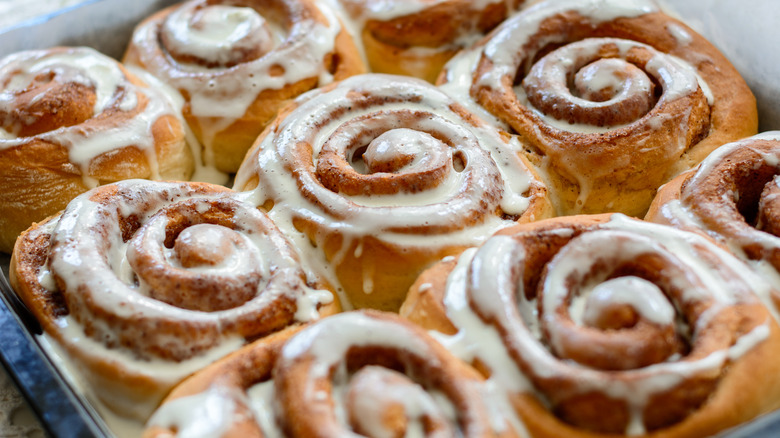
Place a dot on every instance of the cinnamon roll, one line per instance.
(141, 283)
(417, 37)
(611, 98)
(237, 62)
(732, 197)
(607, 324)
(354, 374)
(71, 119)
(381, 176)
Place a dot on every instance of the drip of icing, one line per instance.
(261, 401)
(490, 263)
(378, 215)
(508, 40)
(204, 172)
(206, 414)
(113, 90)
(224, 95)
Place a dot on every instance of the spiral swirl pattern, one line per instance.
(388, 167)
(414, 385)
(237, 62)
(70, 119)
(612, 97)
(142, 272)
(635, 321)
(415, 38)
(731, 196)
(367, 374)
(233, 398)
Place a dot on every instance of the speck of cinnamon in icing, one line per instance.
(219, 96)
(113, 90)
(482, 270)
(387, 10)
(204, 171)
(507, 42)
(485, 156)
(90, 254)
(681, 214)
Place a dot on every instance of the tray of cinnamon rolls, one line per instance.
(406, 218)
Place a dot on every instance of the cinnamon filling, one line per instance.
(46, 104)
(216, 35)
(591, 82)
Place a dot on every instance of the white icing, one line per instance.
(95, 70)
(458, 76)
(679, 33)
(206, 414)
(508, 40)
(678, 214)
(641, 295)
(218, 33)
(677, 78)
(163, 373)
(509, 53)
(344, 331)
(487, 278)
(113, 91)
(204, 171)
(120, 427)
(505, 49)
(326, 346)
(84, 263)
(418, 404)
(328, 342)
(319, 119)
(261, 401)
(718, 155)
(92, 260)
(219, 96)
(217, 409)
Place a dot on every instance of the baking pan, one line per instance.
(106, 25)
(60, 411)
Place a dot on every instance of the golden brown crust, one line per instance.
(731, 197)
(617, 169)
(404, 168)
(168, 323)
(398, 360)
(424, 303)
(227, 143)
(738, 398)
(231, 375)
(419, 44)
(701, 405)
(43, 168)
